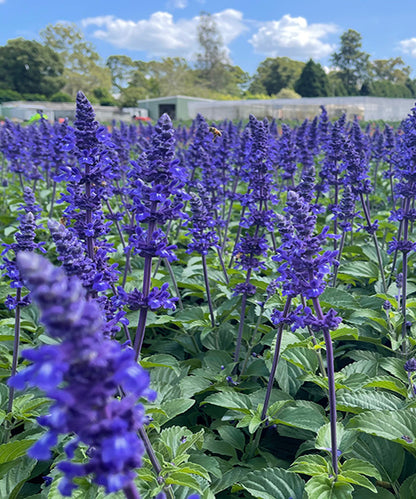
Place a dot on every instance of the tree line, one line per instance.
(64, 62)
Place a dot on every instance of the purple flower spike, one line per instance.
(83, 375)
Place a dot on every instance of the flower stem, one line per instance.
(331, 386)
(376, 246)
(16, 342)
(211, 308)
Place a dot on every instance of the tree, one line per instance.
(83, 67)
(29, 67)
(122, 68)
(273, 74)
(214, 70)
(392, 70)
(351, 62)
(313, 81)
(173, 76)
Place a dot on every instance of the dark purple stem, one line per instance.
(211, 308)
(16, 342)
(331, 386)
(376, 247)
(275, 358)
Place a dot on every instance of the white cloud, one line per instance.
(408, 46)
(160, 35)
(293, 37)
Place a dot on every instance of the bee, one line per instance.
(63, 221)
(215, 132)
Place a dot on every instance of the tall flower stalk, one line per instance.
(303, 269)
(82, 375)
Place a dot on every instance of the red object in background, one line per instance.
(142, 118)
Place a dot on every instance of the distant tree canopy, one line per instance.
(83, 66)
(27, 67)
(66, 62)
(273, 74)
(352, 63)
(313, 81)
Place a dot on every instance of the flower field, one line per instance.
(220, 311)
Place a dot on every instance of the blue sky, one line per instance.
(251, 30)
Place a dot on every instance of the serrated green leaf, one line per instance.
(193, 384)
(302, 357)
(12, 482)
(345, 438)
(357, 479)
(359, 270)
(172, 408)
(360, 466)
(233, 436)
(273, 483)
(14, 450)
(184, 480)
(386, 456)
(311, 464)
(388, 383)
(357, 401)
(338, 298)
(228, 479)
(394, 366)
(194, 469)
(300, 415)
(397, 426)
(322, 487)
(230, 400)
(255, 422)
(160, 360)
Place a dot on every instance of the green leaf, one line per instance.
(28, 406)
(398, 426)
(323, 487)
(184, 480)
(359, 270)
(255, 422)
(333, 297)
(193, 384)
(312, 465)
(345, 438)
(389, 383)
(12, 482)
(408, 488)
(14, 450)
(359, 400)
(360, 466)
(178, 440)
(357, 479)
(367, 494)
(344, 332)
(176, 406)
(233, 436)
(160, 360)
(194, 469)
(288, 376)
(386, 456)
(273, 483)
(300, 415)
(302, 357)
(394, 366)
(230, 400)
(228, 479)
